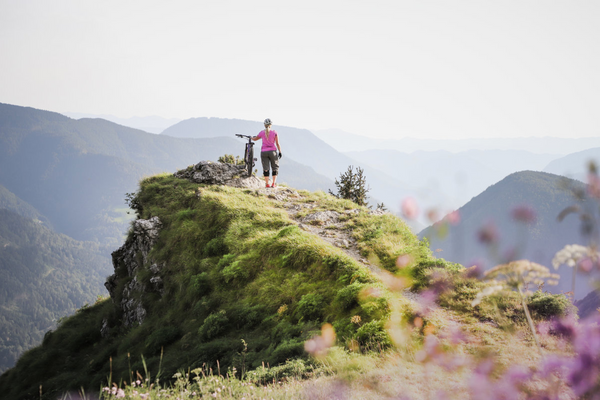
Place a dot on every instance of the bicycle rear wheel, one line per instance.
(250, 161)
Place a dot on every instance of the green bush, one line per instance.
(297, 369)
(348, 297)
(235, 272)
(248, 317)
(285, 330)
(200, 284)
(373, 335)
(287, 350)
(547, 305)
(310, 307)
(226, 260)
(421, 273)
(214, 325)
(216, 247)
(160, 338)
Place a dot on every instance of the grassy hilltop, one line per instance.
(237, 267)
(247, 277)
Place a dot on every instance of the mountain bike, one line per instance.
(248, 153)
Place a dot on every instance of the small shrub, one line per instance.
(297, 369)
(376, 307)
(226, 260)
(230, 159)
(287, 350)
(373, 335)
(235, 272)
(216, 247)
(348, 297)
(285, 330)
(547, 305)
(310, 307)
(200, 284)
(248, 317)
(214, 325)
(352, 186)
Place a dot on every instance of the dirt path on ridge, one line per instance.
(327, 226)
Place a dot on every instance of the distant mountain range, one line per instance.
(152, 124)
(547, 195)
(458, 177)
(344, 141)
(575, 165)
(304, 147)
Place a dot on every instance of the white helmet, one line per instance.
(267, 121)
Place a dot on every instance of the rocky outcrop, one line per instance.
(124, 286)
(220, 174)
(127, 260)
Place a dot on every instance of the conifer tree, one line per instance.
(352, 186)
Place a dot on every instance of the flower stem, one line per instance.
(530, 321)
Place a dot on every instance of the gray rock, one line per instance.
(322, 217)
(246, 182)
(377, 212)
(104, 330)
(220, 174)
(278, 197)
(133, 255)
(212, 173)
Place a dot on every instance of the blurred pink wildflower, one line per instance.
(404, 260)
(488, 233)
(593, 187)
(319, 345)
(453, 217)
(409, 208)
(524, 214)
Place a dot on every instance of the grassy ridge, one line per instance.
(243, 285)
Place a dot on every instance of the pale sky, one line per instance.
(428, 69)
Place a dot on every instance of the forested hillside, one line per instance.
(45, 276)
(513, 219)
(11, 202)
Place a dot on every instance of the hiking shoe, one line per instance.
(273, 185)
(268, 185)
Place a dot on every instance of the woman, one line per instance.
(268, 152)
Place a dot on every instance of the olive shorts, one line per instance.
(270, 161)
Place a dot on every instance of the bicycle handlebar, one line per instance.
(243, 136)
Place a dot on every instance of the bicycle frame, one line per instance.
(248, 153)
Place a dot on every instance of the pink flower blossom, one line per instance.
(453, 218)
(524, 213)
(409, 208)
(488, 233)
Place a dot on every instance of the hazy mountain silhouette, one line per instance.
(575, 165)
(547, 195)
(344, 141)
(152, 124)
(458, 176)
